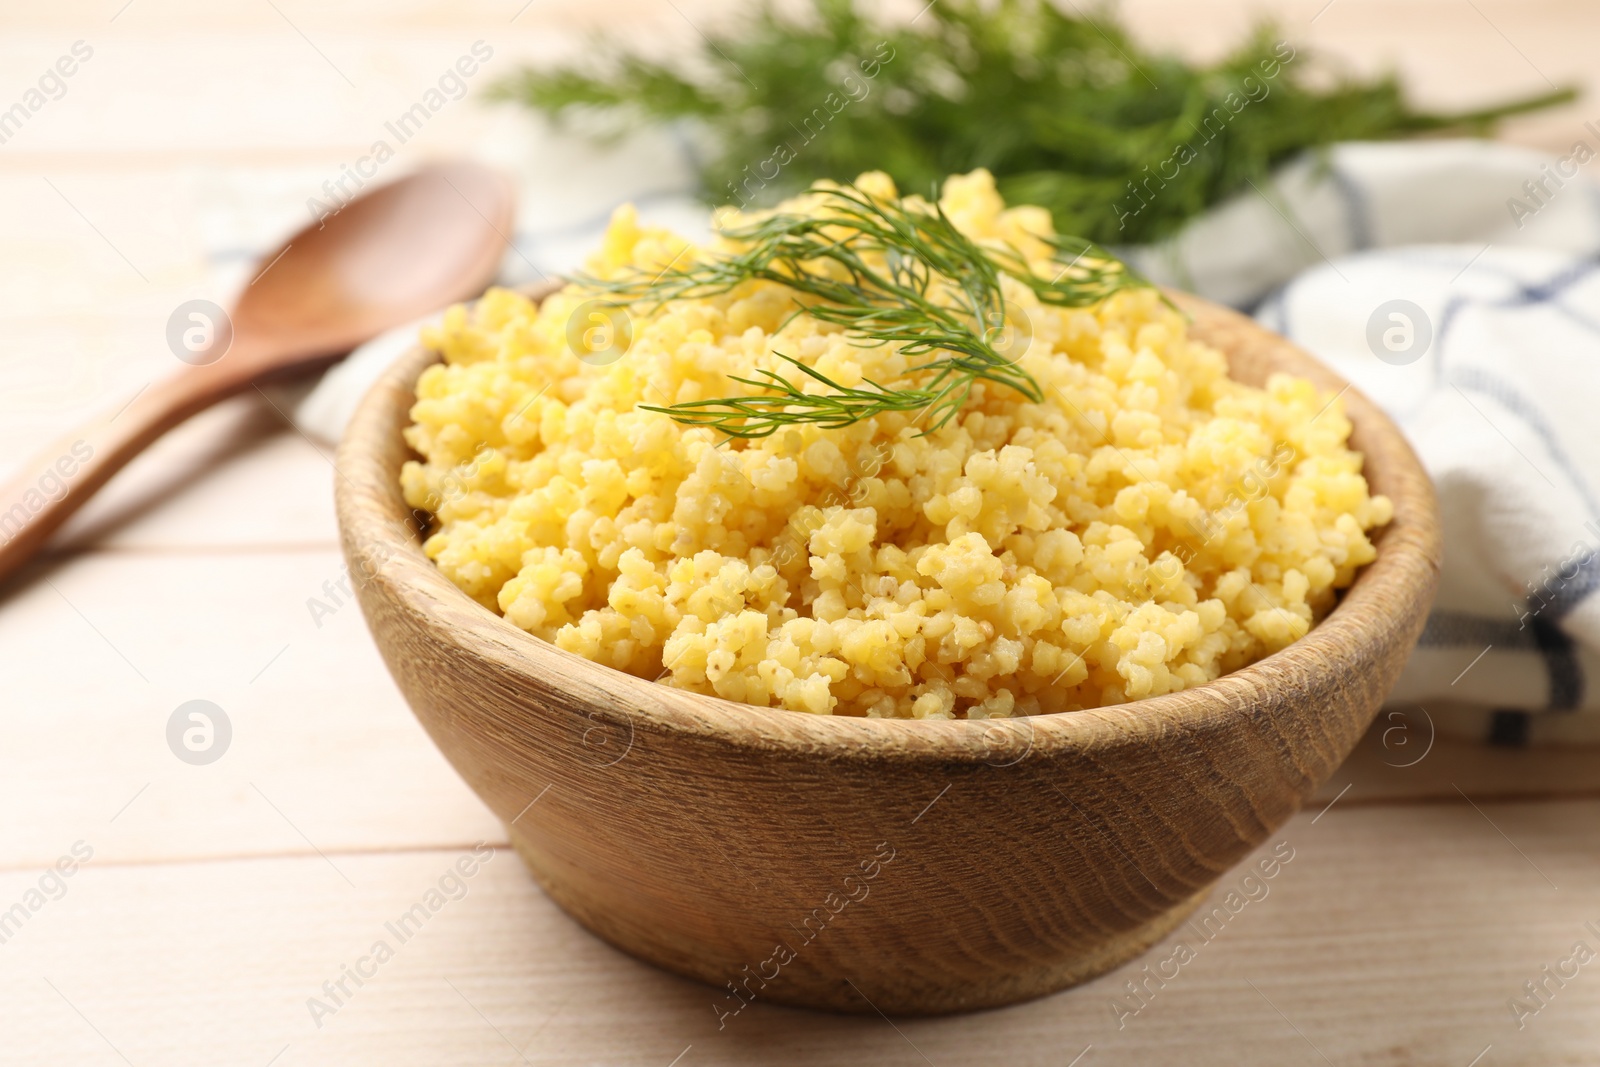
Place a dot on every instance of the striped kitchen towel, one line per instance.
(1489, 359)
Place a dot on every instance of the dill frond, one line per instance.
(884, 272)
(1063, 107)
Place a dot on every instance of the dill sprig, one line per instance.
(885, 272)
(1064, 107)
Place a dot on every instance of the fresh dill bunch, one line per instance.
(885, 272)
(1121, 144)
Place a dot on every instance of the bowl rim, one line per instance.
(1381, 605)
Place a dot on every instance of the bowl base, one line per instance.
(836, 993)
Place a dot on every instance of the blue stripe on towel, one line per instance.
(1509, 397)
(1545, 292)
(1561, 663)
(1457, 629)
(1509, 728)
(1359, 208)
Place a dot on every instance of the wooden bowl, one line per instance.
(870, 864)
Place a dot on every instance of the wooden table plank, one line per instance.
(232, 478)
(1391, 766)
(1366, 947)
(100, 650)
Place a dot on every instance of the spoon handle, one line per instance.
(57, 481)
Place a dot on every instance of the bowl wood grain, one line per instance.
(865, 864)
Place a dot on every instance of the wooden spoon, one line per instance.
(388, 257)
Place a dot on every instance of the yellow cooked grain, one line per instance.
(1150, 526)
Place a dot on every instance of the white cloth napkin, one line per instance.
(1464, 302)
(1495, 387)
(1457, 284)
(1358, 196)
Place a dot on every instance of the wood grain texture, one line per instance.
(1364, 940)
(987, 862)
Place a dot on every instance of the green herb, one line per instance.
(1121, 144)
(886, 273)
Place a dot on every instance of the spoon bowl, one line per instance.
(385, 258)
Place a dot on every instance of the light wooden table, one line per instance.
(218, 899)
